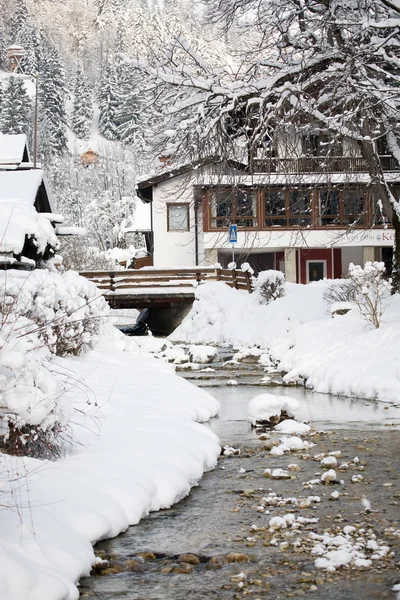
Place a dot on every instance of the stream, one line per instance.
(181, 553)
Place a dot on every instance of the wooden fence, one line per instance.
(135, 279)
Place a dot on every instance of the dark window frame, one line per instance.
(285, 218)
(234, 215)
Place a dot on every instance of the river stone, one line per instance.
(217, 561)
(134, 566)
(183, 569)
(235, 557)
(112, 570)
(147, 556)
(190, 559)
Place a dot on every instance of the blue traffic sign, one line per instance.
(233, 234)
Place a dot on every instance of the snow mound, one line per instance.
(292, 427)
(202, 354)
(267, 406)
(292, 444)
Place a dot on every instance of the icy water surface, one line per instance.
(217, 518)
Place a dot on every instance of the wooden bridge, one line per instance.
(168, 293)
(151, 287)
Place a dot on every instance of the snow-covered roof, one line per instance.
(20, 186)
(142, 218)
(18, 215)
(18, 220)
(12, 148)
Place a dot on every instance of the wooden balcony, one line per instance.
(320, 164)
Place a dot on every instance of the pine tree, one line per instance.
(16, 108)
(82, 114)
(18, 21)
(128, 113)
(108, 104)
(30, 42)
(2, 48)
(52, 94)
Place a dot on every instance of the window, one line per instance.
(329, 207)
(245, 208)
(275, 207)
(300, 208)
(353, 207)
(177, 217)
(233, 206)
(316, 270)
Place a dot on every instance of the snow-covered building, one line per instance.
(27, 220)
(305, 213)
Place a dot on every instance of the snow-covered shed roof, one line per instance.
(23, 196)
(20, 185)
(142, 218)
(13, 150)
(18, 220)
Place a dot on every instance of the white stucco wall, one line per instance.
(351, 255)
(173, 248)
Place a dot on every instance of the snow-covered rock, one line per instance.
(269, 408)
(202, 354)
(292, 427)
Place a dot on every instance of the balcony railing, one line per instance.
(320, 164)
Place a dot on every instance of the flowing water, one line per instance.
(216, 519)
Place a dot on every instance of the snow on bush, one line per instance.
(370, 290)
(67, 309)
(32, 420)
(268, 286)
(43, 314)
(340, 291)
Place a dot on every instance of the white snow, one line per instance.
(345, 355)
(202, 354)
(12, 148)
(20, 186)
(18, 216)
(134, 444)
(266, 406)
(292, 427)
(142, 218)
(291, 444)
(328, 462)
(328, 476)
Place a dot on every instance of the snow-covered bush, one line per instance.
(268, 286)
(67, 310)
(371, 289)
(342, 290)
(42, 313)
(32, 421)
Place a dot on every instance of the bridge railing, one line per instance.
(149, 277)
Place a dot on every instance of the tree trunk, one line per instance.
(396, 254)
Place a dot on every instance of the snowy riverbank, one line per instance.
(344, 355)
(139, 449)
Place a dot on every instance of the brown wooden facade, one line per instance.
(266, 208)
